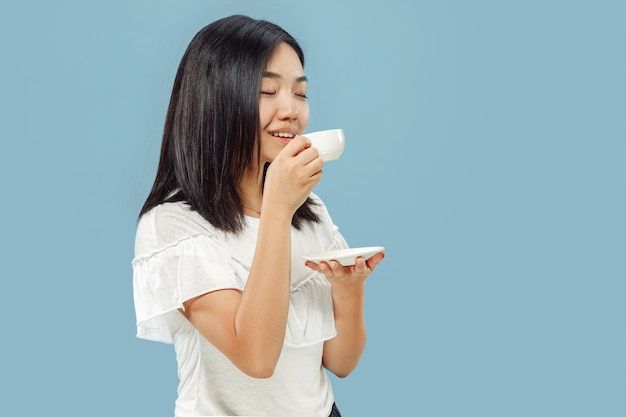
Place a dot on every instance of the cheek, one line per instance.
(303, 116)
(265, 114)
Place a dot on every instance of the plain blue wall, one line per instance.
(486, 149)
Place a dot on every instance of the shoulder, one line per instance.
(316, 199)
(166, 225)
(319, 207)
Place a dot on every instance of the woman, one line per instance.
(217, 268)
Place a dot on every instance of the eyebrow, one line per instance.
(270, 74)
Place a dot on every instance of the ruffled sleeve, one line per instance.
(311, 317)
(163, 280)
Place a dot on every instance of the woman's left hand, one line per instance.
(347, 276)
(342, 352)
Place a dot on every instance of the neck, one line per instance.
(251, 191)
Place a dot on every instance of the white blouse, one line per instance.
(179, 256)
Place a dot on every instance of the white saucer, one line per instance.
(345, 257)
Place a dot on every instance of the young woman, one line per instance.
(218, 269)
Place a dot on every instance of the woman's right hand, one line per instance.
(292, 175)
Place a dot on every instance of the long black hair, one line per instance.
(212, 126)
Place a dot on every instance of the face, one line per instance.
(283, 107)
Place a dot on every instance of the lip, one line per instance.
(282, 139)
(288, 130)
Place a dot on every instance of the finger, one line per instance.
(297, 145)
(374, 260)
(327, 270)
(313, 266)
(310, 155)
(312, 171)
(336, 268)
(360, 266)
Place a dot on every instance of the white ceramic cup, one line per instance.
(329, 143)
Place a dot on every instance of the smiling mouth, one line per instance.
(283, 135)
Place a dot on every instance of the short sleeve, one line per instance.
(164, 280)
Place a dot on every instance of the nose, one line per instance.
(288, 109)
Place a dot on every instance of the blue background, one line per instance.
(486, 146)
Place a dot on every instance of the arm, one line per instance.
(342, 353)
(249, 327)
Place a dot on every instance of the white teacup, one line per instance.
(329, 143)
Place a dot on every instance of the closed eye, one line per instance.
(268, 93)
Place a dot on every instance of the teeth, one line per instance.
(283, 135)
